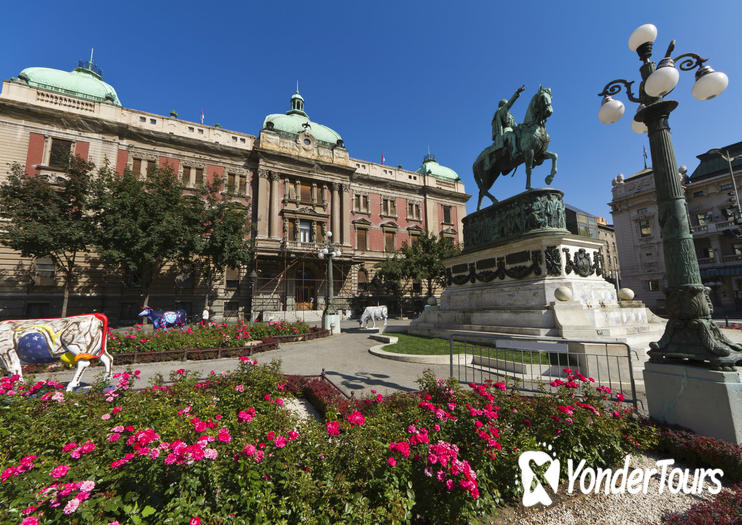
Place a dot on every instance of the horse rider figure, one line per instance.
(503, 126)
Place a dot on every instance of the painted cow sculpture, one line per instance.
(165, 318)
(373, 313)
(74, 340)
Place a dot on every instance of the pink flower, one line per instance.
(249, 450)
(239, 388)
(280, 442)
(116, 410)
(87, 486)
(106, 417)
(356, 418)
(82, 495)
(210, 453)
(114, 523)
(69, 446)
(333, 428)
(60, 471)
(195, 520)
(114, 437)
(71, 506)
(223, 435)
(391, 461)
(31, 520)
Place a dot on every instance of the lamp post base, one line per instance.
(691, 334)
(331, 322)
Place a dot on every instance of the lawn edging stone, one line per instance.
(387, 340)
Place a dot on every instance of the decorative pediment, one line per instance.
(389, 225)
(362, 221)
(415, 229)
(448, 230)
(304, 211)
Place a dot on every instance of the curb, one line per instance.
(408, 358)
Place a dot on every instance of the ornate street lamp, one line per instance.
(690, 333)
(330, 316)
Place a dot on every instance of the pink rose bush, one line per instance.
(445, 454)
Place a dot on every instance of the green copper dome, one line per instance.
(432, 168)
(84, 82)
(296, 121)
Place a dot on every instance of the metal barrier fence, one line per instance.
(536, 362)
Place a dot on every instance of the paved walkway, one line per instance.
(344, 357)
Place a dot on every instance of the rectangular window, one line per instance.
(413, 210)
(232, 278)
(231, 182)
(59, 156)
(151, 164)
(641, 211)
(305, 231)
(306, 193)
(704, 218)
(199, 177)
(292, 230)
(186, 177)
(45, 268)
(737, 249)
(317, 231)
(231, 309)
(357, 202)
(389, 241)
(653, 285)
(417, 287)
(727, 186)
(361, 239)
(242, 186)
(447, 214)
(143, 119)
(413, 238)
(389, 207)
(136, 167)
(645, 230)
(152, 121)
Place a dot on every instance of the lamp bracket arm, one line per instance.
(689, 61)
(670, 49)
(614, 87)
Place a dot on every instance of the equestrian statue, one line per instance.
(515, 144)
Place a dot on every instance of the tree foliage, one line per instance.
(49, 217)
(224, 229)
(422, 260)
(143, 225)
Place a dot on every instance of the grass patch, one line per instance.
(416, 345)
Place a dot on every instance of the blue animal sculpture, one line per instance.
(166, 318)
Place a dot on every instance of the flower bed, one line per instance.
(208, 336)
(186, 344)
(225, 449)
(724, 509)
(701, 451)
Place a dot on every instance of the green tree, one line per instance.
(422, 260)
(144, 225)
(49, 218)
(223, 239)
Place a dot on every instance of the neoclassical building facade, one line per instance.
(296, 175)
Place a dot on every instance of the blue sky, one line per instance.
(397, 77)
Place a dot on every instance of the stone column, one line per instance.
(286, 192)
(314, 193)
(275, 207)
(346, 213)
(297, 188)
(262, 203)
(335, 210)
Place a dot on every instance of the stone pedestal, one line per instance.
(522, 272)
(708, 402)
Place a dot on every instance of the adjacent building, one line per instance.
(297, 176)
(714, 214)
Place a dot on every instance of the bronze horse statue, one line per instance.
(533, 142)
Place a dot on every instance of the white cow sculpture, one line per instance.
(77, 339)
(373, 313)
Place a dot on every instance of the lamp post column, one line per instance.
(329, 307)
